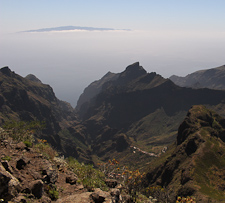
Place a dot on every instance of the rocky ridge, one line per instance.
(194, 166)
(211, 78)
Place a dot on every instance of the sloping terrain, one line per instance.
(27, 99)
(94, 88)
(213, 78)
(195, 164)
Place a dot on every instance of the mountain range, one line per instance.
(136, 117)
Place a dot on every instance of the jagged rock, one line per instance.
(21, 163)
(50, 174)
(37, 188)
(9, 185)
(7, 166)
(71, 178)
(20, 199)
(20, 146)
(100, 196)
(112, 183)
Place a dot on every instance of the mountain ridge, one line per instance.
(189, 167)
(210, 78)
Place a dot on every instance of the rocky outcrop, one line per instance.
(183, 171)
(9, 185)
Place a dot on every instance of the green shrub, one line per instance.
(28, 143)
(53, 192)
(90, 177)
(22, 130)
(44, 148)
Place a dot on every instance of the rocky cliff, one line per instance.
(194, 166)
(28, 99)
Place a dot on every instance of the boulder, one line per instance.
(20, 146)
(21, 163)
(71, 178)
(100, 196)
(9, 185)
(50, 174)
(7, 166)
(37, 188)
(112, 183)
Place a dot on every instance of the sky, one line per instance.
(169, 37)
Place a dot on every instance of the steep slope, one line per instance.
(213, 78)
(28, 99)
(195, 164)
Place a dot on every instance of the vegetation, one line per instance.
(90, 177)
(22, 130)
(53, 192)
(6, 158)
(46, 149)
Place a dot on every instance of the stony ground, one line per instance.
(27, 176)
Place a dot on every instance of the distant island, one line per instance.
(71, 28)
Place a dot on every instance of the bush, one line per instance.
(90, 177)
(44, 148)
(28, 143)
(53, 192)
(21, 130)
(131, 180)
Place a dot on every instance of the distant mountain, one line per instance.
(194, 166)
(213, 78)
(144, 109)
(27, 99)
(33, 78)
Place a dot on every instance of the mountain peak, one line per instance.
(5, 70)
(132, 71)
(135, 68)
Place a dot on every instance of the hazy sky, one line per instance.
(166, 36)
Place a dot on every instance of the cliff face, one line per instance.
(193, 164)
(213, 78)
(28, 99)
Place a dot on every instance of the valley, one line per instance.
(141, 119)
